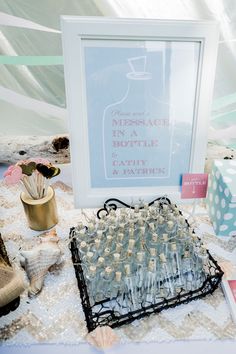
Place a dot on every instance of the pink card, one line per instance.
(194, 185)
(232, 285)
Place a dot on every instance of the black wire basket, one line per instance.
(101, 314)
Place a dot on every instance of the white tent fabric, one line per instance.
(32, 93)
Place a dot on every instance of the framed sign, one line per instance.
(138, 95)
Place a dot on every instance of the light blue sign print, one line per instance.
(137, 130)
(132, 135)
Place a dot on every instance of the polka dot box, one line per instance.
(221, 198)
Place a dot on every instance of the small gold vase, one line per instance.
(41, 213)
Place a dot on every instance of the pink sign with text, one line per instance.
(194, 185)
(232, 285)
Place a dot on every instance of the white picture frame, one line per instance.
(94, 48)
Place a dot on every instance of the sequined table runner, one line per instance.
(56, 315)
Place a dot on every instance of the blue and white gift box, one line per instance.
(221, 198)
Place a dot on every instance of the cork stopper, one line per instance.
(186, 254)
(108, 270)
(118, 276)
(154, 237)
(116, 257)
(136, 208)
(151, 266)
(140, 222)
(82, 232)
(203, 250)
(109, 238)
(163, 258)
(89, 255)
(80, 225)
(101, 222)
(129, 253)
(173, 247)
(127, 269)
(112, 219)
(182, 220)
(121, 236)
(142, 230)
(93, 269)
(112, 212)
(131, 231)
(131, 223)
(107, 251)
(165, 237)
(97, 243)
(131, 244)
(145, 206)
(111, 230)
(122, 226)
(140, 256)
(118, 247)
(170, 225)
(161, 220)
(83, 244)
(152, 226)
(101, 260)
(99, 233)
(90, 227)
(153, 252)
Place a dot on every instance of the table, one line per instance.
(57, 321)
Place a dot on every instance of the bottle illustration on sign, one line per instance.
(137, 130)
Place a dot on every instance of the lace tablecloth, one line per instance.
(56, 315)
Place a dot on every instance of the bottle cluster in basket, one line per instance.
(139, 256)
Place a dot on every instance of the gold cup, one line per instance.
(41, 213)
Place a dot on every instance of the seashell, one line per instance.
(102, 337)
(12, 284)
(38, 260)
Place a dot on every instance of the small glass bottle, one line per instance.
(119, 247)
(170, 230)
(109, 241)
(118, 294)
(131, 232)
(80, 226)
(166, 277)
(107, 256)
(190, 283)
(83, 248)
(131, 244)
(96, 248)
(91, 229)
(150, 283)
(202, 265)
(152, 257)
(153, 242)
(141, 274)
(111, 230)
(160, 225)
(101, 225)
(99, 234)
(117, 262)
(88, 258)
(165, 244)
(176, 265)
(130, 288)
(91, 282)
(104, 284)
